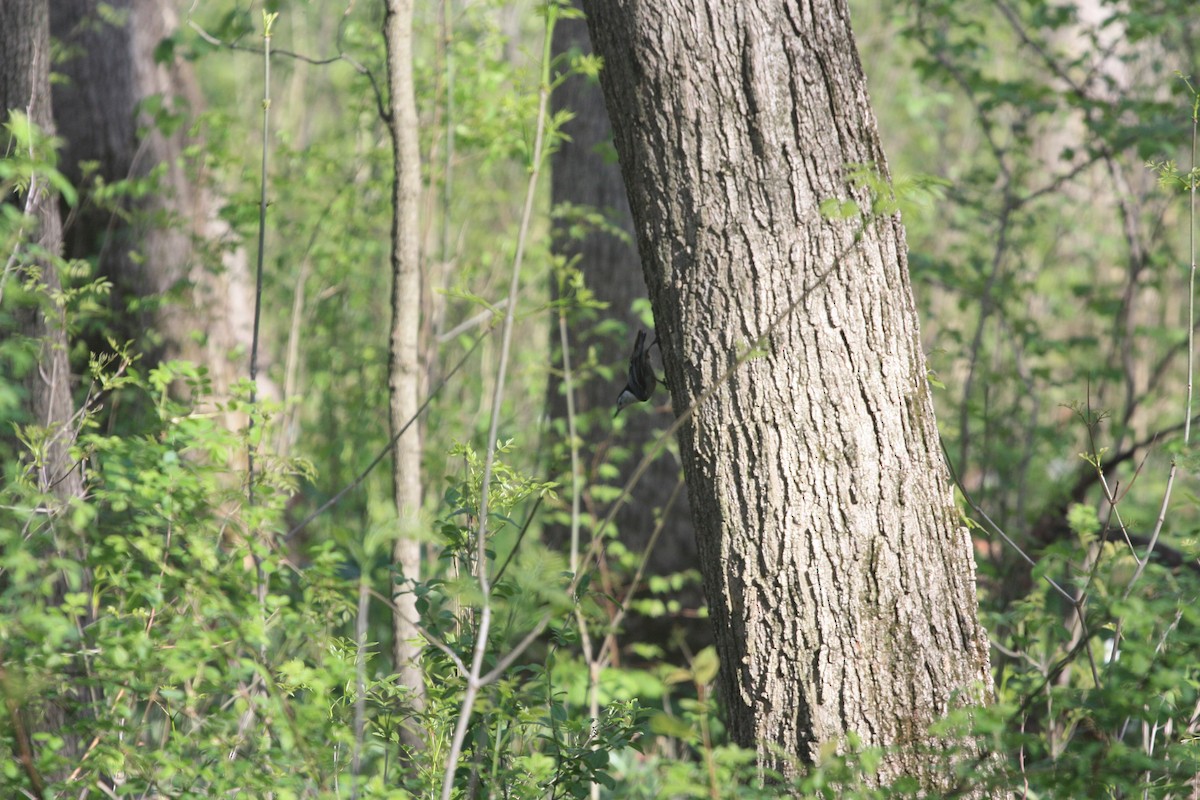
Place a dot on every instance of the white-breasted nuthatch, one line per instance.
(641, 382)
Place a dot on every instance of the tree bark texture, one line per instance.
(582, 174)
(405, 372)
(170, 257)
(25, 86)
(839, 577)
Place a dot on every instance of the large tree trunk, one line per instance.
(404, 368)
(839, 577)
(584, 175)
(171, 258)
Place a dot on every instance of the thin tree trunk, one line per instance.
(404, 365)
(584, 174)
(839, 577)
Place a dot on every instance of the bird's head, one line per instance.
(626, 398)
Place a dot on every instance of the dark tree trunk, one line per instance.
(181, 287)
(839, 577)
(585, 173)
(25, 87)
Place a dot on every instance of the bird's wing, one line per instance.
(639, 347)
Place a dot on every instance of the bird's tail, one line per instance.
(639, 345)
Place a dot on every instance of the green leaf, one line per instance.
(704, 665)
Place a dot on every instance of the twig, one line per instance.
(585, 638)
(268, 21)
(359, 68)
(997, 529)
(610, 639)
(474, 682)
(360, 678)
(292, 359)
(520, 538)
(22, 743)
(427, 634)
(1191, 350)
(387, 449)
(472, 322)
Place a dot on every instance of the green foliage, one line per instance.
(1049, 242)
(30, 156)
(166, 645)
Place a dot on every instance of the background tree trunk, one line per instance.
(25, 87)
(839, 577)
(177, 274)
(584, 172)
(404, 368)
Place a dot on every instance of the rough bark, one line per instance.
(181, 289)
(25, 86)
(584, 174)
(404, 372)
(840, 581)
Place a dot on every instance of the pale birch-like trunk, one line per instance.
(404, 368)
(839, 576)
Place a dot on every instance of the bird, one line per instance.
(641, 382)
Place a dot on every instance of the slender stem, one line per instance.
(474, 681)
(610, 639)
(387, 449)
(447, 14)
(1191, 354)
(268, 20)
(569, 387)
(1187, 422)
(360, 675)
(260, 576)
(585, 639)
(291, 367)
